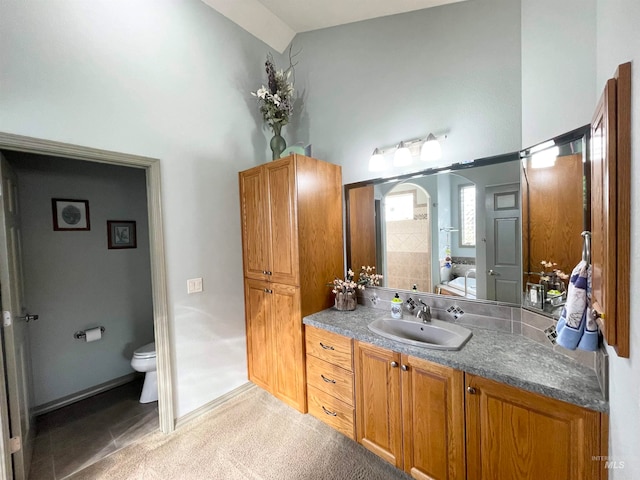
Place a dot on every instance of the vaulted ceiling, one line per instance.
(276, 22)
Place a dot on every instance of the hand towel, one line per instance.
(576, 328)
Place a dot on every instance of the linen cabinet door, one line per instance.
(258, 322)
(378, 407)
(282, 219)
(516, 434)
(288, 346)
(255, 229)
(433, 420)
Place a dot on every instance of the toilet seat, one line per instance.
(146, 351)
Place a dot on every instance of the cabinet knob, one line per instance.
(404, 367)
(268, 272)
(471, 390)
(394, 364)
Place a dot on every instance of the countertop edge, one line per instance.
(599, 405)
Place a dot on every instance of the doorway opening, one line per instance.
(151, 168)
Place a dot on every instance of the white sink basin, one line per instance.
(435, 334)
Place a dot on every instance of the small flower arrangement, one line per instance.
(546, 276)
(276, 99)
(553, 279)
(366, 278)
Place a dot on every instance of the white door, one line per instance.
(503, 243)
(15, 334)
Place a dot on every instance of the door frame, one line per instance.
(158, 265)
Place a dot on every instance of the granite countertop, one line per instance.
(508, 358)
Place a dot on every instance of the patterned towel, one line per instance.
(576, 328)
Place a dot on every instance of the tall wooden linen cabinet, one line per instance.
(292, 238)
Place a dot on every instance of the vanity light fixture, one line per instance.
(377, 163)
(431, 149)
(403, 156)
(406, 151)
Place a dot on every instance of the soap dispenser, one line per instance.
(396, 307)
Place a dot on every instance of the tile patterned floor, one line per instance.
(80, 434)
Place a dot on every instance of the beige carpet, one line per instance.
(253, 436)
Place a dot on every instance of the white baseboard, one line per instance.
(81, 395)
(207, 407)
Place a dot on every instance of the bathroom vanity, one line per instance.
(488, 410)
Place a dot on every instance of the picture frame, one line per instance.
(121, 234)
(70, 214)
(535, 296)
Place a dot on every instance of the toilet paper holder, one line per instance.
(82, 334)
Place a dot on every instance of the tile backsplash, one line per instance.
(494, 316)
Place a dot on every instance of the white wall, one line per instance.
(453, 69)
(166, 79)
(74, 282)
(558, 67)
(619, 42)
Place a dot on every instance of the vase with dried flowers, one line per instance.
(346, 290)
(276, 101)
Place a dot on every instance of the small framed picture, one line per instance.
(534, 295)
(70, 214)
(121, 234)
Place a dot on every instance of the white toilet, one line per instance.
(144, 360)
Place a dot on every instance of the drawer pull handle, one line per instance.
(329, 412)
(328, 380)
(326, 347)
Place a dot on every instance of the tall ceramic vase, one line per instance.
(277, 144)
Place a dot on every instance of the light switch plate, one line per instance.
(194, 285)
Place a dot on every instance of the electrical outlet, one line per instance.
(194, 285)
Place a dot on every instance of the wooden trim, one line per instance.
(623, 219)
(156, 242)
(604, 205)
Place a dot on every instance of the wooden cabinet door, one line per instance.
(516, 434)
(378, 407)
(287, 343)
(259, 333)
(283, 238)
(253, 210)
(433, 420)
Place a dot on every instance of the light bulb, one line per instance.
(402, 157)
(431, 150)
(377, 162)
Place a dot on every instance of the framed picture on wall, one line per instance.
(121, 234)
(70, 214)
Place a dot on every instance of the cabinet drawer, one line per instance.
(330, 347)
(331, 411)
(330, 378)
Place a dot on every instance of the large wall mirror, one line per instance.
(442, 230)
(555, 199)
(474, 230)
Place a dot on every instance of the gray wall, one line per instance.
(558, 67)
(619, 42)
(74, 282)
(169, 80)
(452, 69)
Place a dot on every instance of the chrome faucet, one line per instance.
(424, 313)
